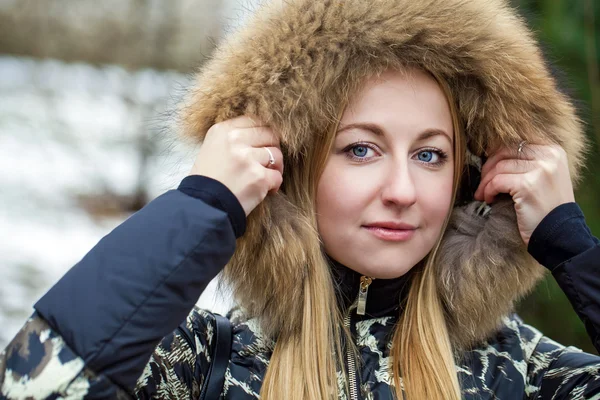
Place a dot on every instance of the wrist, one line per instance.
(216, 194)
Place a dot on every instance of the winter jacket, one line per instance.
(95, 333)
(293, 65)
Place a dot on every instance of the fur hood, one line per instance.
(296, 60)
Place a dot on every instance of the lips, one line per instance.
(391, 231)
(391, 225)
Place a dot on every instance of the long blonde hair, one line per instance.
(305, 363)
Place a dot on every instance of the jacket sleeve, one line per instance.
(94, 332)
(178, 367)
(564, 244)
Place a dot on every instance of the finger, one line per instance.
(255, 136)
(244, 121)
(505, 166)
(275, 179)
(262, 155)
(490, 164)
(503, 154)
(529, 151)
(501, 183)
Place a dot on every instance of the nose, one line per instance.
(399, 187)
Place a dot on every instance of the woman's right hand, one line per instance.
(233, 153)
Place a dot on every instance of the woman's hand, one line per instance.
(234, 153)
(537, 178)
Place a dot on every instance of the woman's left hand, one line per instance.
(537, 178)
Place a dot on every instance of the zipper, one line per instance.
(363, 290)
(351, 362)
(361, 304)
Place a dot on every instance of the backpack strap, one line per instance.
(213, 383)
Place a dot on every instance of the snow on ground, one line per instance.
(72, 130)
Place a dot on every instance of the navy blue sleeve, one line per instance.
(216, 194)
(138, 284)
(560, 236)
(563, 243)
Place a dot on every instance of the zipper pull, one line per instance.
(363, 290)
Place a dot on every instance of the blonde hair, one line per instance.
(304, 363)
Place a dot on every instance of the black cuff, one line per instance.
(216, 194)
(560, 236)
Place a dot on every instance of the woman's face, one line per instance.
(387, 184)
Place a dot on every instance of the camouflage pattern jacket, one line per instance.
(112, 326)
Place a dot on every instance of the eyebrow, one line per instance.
(378, 131)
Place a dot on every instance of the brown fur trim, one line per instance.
(297, 60)
(483, 267)
(269, 266)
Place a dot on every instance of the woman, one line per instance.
(396, 161)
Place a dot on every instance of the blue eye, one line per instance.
(360, 151)
(427, 155)
(432, 157)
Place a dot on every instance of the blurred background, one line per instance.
(87, 92)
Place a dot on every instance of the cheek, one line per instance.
(437, 199)
(326, 205)
(338, 199)
(328, 193)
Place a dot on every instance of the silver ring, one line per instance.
(271, 158)
(520, 148)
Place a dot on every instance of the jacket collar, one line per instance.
(384, 296)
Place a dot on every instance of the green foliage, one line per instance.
(570, 35)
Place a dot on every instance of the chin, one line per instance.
(382, 272)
